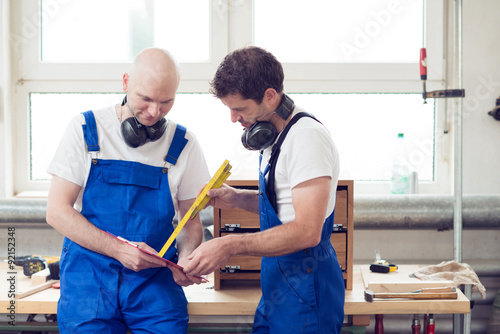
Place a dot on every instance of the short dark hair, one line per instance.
(249, 71)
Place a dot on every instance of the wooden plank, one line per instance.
(397, 281)
(40, 277)
(35, 289)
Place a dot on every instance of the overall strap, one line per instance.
(90, 132)
(178, 143)
(275, 152)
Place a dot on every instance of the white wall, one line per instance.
(481, 69)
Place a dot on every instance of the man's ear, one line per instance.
(271, 97)
(125, 82)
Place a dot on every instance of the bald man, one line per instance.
(126, 170)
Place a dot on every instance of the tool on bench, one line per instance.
(34, 263)
(437, 289)
(382, 266)
(370, 295)
(40, 280)
(217, 180)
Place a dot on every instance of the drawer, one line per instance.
(339, 243)
(341, 207)
(243, 262)
(240, 217)
(247, 262)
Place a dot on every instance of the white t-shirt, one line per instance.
(306, 153)
(72, 161)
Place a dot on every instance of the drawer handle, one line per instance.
(231, 227)
(231, 269)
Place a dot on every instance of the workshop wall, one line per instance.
(481, 69)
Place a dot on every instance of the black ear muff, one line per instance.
(134, 133)
(262, 134)
(259, 136)
(155, 131)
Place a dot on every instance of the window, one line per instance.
(76, 32)
(355, 66)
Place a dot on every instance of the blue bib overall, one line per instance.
(302, 292)
(100, 295)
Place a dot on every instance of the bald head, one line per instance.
(154, 65)
(151, 85)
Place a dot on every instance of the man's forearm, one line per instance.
(189, 237)
(248, 200)
(76, 227)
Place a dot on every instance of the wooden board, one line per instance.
(397, 281)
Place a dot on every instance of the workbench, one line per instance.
(240, 300)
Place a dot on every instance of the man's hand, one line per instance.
(223, 197)
(208, 257)
(136, 260)
(227, 197)
(181, 277)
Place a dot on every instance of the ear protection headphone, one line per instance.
(262, 134)
(135, 134)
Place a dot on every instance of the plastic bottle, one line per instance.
(400, 180)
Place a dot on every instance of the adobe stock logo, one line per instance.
(31, 24)
(363, 36)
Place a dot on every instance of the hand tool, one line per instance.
(382, 266)
(437, 289)
(34, 263)
(217, 180)
(446, 93)
(423, 71)
(370, 295)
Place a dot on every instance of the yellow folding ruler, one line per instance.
(200, 202)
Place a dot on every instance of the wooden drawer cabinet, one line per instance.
(242, 267)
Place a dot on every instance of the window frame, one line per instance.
(231, 27)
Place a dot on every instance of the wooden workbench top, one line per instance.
(243, 299)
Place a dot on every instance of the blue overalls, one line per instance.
(302, 292)
(100, 295)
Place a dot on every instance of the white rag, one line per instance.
(459, 273)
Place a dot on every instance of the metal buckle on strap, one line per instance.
(93, 154)
(166, 167)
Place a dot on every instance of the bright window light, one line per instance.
(363, 126)
(369, 31)
(116, 30)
